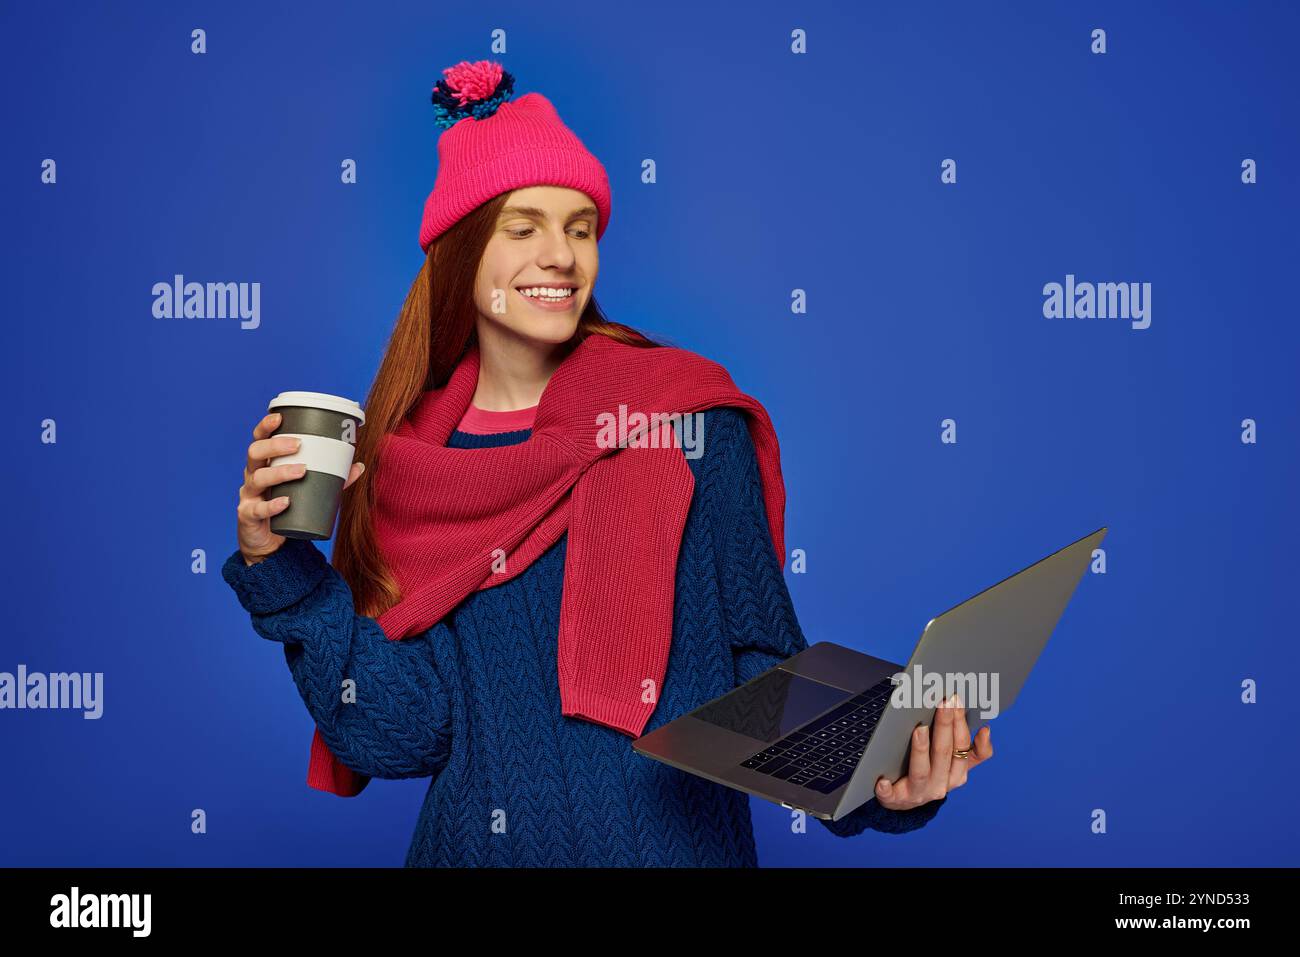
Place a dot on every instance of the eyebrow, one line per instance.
(532, 212)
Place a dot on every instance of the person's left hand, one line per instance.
(933, 770)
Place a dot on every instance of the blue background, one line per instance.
(775, 172)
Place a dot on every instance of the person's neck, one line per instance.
(512, 373)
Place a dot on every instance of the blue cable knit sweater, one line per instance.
(473, 702)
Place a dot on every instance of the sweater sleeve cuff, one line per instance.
(283, 578)
(874, 816)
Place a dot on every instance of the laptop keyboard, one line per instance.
(824, 753)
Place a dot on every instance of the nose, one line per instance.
(556, 251)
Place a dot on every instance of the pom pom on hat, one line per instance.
(523, 143)
(470, 89)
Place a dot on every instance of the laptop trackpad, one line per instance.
(771, 706)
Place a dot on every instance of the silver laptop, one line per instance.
(817, 731)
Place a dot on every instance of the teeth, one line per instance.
(546, 292)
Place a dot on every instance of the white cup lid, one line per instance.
(319, 400)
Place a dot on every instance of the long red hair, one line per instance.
(435, 327)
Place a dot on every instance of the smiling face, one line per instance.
(537, 272)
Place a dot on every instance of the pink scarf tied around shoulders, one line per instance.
(602, 463)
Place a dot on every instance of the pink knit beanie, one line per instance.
(491, 145)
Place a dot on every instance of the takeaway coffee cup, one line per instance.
(327, 426)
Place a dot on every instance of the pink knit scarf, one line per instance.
(450, 522)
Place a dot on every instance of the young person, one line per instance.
(531, 568)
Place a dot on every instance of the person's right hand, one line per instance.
(256, 540)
